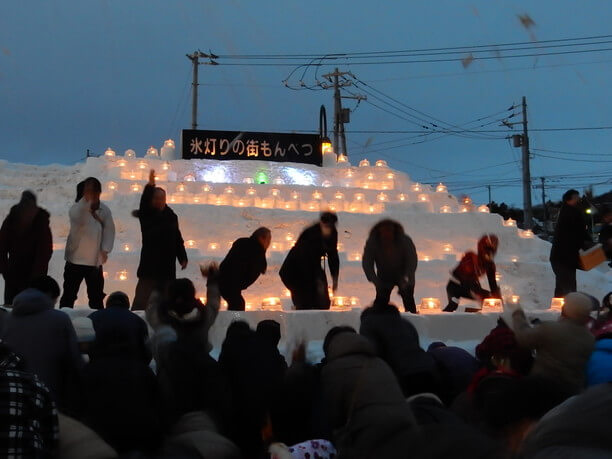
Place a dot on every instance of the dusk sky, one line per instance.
(92, 74)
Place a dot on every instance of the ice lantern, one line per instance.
(152, 152)
(109, 152)
(492, 305)
(129, 153)
(429, 305)
(167, 151)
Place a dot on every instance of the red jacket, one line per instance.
(471, 268)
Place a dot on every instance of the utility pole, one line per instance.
(543, 180)
(489, 188)
(341, 115)
(527, 210)
(195, 62)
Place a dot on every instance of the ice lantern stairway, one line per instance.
(220, 201)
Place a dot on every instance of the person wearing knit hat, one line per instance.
(577, 307)
(563, 348)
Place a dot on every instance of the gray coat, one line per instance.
(563, 349)
(46, 340)
(367, 409)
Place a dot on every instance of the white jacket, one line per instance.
(88, 237)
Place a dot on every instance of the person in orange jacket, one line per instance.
(465, 278)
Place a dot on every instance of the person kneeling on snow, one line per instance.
(465, 279)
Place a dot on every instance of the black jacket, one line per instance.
(396, 341)
(570, 236)
(243, 264)
(25, 243)
(162, 242)
(605, 239)
(303, 262)
(120, 333)
(398, 265)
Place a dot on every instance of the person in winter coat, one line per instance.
(396, 341)
(605, 235)
(578, 428)
(368, 412)
(180, 315)
(302, 272)
(241, 267)
(395, 257)
(456, 368)
(46, 340)
(563, 348)
(599, 368)
(121, 401)
(465, 279)
(162, 244)
(25, 245)
(91, 239)
(119, 331)
(255, 373)
(571, 235)
(29, 426)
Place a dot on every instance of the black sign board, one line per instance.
(264, 146)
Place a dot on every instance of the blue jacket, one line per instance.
(599, 369)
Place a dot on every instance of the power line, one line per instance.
(573, 153)
(416, 61)
(539, 155)
(490, 45)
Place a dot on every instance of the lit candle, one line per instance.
(401, 197)
(423, 198)
(382, 197)
(121, 163)
(180, 187)
(381, 163)
(445, 209)
(483, 209)
(228, 190)
(317, 195)
(135, 188)
(109, 152)
(190, 243)
(556, 304)
(390, 175)
(142, 165)
(416, 187)
(126, 247)
(112, 186)
(251, 191)
(364, 163)
(441, 188)
(190, 178)
(206, 188)
(213, 246)
(326, 184)
(339, 196)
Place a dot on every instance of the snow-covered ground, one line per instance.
(216, 204)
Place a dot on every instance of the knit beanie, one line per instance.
(577, 307)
